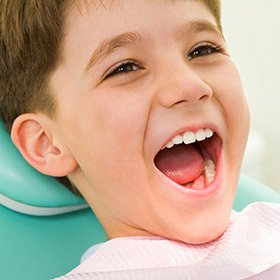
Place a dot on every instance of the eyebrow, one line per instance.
(110, 45)
(199, 26)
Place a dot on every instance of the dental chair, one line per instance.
(44, 228)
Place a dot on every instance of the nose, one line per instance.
(182, 85)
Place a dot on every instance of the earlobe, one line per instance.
(33, 138)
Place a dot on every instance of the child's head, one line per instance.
(94, 90)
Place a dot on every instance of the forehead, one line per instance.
(89, 23)
(103, 11)
(83, 5)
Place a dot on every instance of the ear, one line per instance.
(32, 135)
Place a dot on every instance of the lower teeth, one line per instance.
(209, 170)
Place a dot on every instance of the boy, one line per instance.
(139, 106)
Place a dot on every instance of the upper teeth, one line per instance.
(189, 137)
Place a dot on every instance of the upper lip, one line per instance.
(193, 127)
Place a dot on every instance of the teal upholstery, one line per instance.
(35, 248)
(39, 242)
(24, 189)
(47, 243)
(250, 190)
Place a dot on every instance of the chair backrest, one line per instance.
(44, 228)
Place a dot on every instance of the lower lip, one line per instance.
(207, 192)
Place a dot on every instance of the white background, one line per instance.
(252, 31)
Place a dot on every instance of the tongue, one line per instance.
(182, 163)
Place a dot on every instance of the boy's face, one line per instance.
(135, 74)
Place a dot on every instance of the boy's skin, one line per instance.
(107, 131)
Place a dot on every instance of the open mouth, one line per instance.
(192, 159)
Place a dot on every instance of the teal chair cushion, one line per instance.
(44, 229)
(34, 248)
(25, 190)
(250, 190)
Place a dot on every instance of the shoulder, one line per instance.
(261, 210)
(255, 229)
(258, 222)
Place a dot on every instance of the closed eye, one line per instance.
(204, 50)
(123, 68)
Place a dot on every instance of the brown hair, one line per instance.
(215, 8)
(31, 32)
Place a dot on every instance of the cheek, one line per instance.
(233, 101)
(108, 133)
(236, 112)
(122, 123)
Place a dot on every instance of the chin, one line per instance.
(203, 233)
(208, 237)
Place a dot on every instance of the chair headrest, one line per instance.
(25, 190)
